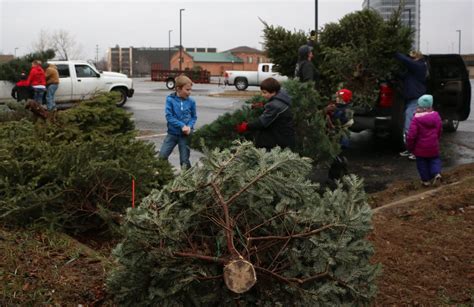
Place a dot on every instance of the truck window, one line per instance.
(63, 70)
(265, 68)
(85, 71)
(447, 70)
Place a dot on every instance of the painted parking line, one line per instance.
(151, 136)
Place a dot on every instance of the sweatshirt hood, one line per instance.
(427, 119)
(283, 96)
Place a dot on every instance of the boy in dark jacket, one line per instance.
(275, 126)
(22, 90)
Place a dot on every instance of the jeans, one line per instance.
(410, 109)
(50, 91)
(428, 167)
(38, 94)
(170, 143)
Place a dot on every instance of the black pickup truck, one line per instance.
(448, 82)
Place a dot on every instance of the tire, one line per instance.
(122, 98)
(450, 125)
(170, 83)
(241, 84)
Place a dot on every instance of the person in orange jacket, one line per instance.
(37, 80)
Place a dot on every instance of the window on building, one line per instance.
(250, 60)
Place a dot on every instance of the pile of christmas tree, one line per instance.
(247, 228)
(356, 53)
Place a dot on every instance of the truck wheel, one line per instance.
(241, 84)
(450, 125)
(170, 83)
(122, 96)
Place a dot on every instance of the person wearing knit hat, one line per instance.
(425, 101)
(423, 141)
(305, 70)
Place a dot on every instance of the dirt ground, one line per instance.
(422, 237)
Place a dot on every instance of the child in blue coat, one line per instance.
(181, 116)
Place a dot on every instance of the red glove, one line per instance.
(257, 105)
(242, 127)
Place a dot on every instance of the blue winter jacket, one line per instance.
(414, 80)
(179, 113)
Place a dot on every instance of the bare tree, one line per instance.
(61, 41)
(43, 43)
(65, 45)
(102, 64)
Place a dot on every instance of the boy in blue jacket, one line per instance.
(181, 116)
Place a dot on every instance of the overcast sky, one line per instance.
(223, 24)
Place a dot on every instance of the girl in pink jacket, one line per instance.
(423, 140)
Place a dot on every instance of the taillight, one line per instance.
(386, 96)
(226, 75)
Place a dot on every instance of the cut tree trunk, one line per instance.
(239, 276)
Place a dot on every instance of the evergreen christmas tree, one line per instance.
(312, 139)
(247, 228)
(355, 53)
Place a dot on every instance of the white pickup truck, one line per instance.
(242, 79)
(79, 80)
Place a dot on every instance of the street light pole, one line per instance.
(180, 38)
(169, 49)
(409, 17)
(459, 41)
(316, 17)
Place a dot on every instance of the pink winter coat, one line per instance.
(424, 134)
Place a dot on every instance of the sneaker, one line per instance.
(411, 157)
(437, 180)
(426, 183)
(405, 153)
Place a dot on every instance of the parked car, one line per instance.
(242, 79)
(79, 80)
(448, 82)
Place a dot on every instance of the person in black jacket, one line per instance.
(275, 126)
(414, 86)
(22, 89)
(305, 70)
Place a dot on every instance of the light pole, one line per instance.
(459, 31)
(409, 17)
(169, 49)
(180, 38)
(316, 17)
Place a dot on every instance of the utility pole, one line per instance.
(180, 40)
(459, 31)
(169, 49)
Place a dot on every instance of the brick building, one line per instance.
(251, 57)
(137, 62)
(215, 63)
